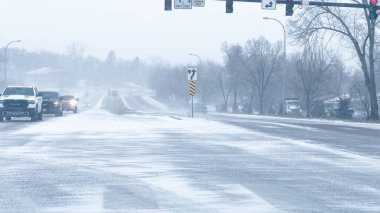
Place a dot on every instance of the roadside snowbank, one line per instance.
(154, 103)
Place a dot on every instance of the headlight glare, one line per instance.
(73, 102)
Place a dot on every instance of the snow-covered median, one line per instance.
(154, 103)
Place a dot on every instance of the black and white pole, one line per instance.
(192, 94)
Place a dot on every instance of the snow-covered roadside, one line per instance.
(125, 103)
(305, 120)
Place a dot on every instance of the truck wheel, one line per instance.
(34, 117)
(8, 118)
(58, 114)
(39, 116)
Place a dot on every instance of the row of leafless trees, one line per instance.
(352, 28)
(259, 74)
(316, 73)
(250, 70)
(256, 77)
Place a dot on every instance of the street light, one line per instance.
(5, 60)
(285, 64)
(198, 58)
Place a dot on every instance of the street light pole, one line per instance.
(5, 60)
(199, 58)
(192, 98)
(285, 62)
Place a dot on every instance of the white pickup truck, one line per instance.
(20, 101)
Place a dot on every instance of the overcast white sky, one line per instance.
(134, 27)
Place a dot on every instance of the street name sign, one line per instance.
(192, 74)
(268, 4)
(183, 4)
(199, 3)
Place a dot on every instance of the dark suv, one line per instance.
(70, 103)
(51, 103)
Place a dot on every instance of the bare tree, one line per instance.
(73, 66)
(207, 84)
(312, 72)
(261, 60)
(75, 50)
(359, 94)
(353, 26)
(248, 94)
(233, 56)
(111, 58)
(339, 78)
(224, 86)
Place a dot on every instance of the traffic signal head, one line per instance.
(373, 12)
(289, 8)
(168, 5)
(229, 6)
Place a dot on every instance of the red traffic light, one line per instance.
(373, 2)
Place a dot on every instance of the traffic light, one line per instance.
(289, 8)
(373, 10)
(229, 6)
(168, 5)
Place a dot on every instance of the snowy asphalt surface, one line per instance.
(360, 138)
(95, 161)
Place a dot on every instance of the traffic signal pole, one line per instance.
(316, 3)
(372, 6)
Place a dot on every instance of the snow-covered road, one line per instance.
(99, 162)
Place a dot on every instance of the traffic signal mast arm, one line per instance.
(317, 3)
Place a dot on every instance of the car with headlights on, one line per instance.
(51, 103)
(70, 103)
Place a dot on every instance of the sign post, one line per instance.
(192, 76)
(192, 94)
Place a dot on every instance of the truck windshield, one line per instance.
(67, 97)
(19, 91)
(49, 95)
